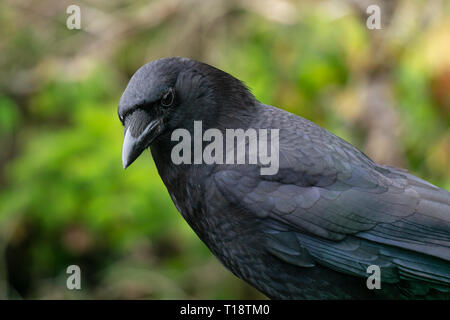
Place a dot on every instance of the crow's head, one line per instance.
(171, 93)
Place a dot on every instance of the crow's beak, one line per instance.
(133, 146)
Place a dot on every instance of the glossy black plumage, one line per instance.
(311, 230)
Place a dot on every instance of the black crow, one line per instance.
(329, 223)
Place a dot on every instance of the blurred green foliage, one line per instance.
(64, 198)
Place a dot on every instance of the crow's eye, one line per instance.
(167, 98)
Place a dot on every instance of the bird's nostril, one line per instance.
(137, 121)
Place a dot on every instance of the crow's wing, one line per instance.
(332, 205)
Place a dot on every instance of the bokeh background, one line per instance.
(64, 197)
